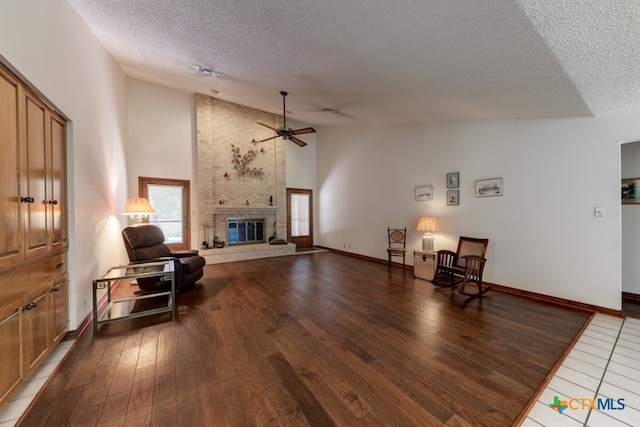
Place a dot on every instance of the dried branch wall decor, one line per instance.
(241, 163)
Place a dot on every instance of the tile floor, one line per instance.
(11, 413)
(604, 366)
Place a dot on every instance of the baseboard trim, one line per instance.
(558, 301)
(507, 289)
(367, 258)
(630, 296)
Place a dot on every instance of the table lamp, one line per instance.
(138, 208)
(428, 224)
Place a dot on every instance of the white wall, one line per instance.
(543, 235)
(52, 47)
(161, 139)
(630, 166)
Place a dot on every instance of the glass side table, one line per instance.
(125, 308)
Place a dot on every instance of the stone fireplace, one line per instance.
(236, 177)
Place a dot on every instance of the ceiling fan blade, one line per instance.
(300, 142)
(267, 126)
(266, 139)
(303, 131)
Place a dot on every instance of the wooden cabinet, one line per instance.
(11, 230)
(33, 232)
(11, 372)
(36, 322)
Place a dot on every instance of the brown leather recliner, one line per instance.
(145, 243)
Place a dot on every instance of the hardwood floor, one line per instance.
(320, 339)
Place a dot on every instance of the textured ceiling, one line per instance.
(384, 62)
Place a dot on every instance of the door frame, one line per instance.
(144, 181)
(303, 242)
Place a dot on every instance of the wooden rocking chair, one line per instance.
(465, 265)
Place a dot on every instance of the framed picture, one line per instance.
(489, 187)
(453, 180)
(631, 191)
(453, 197)
(424, 192)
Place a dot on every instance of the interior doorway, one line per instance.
(300, 217)
(630, 227)
(171, 201)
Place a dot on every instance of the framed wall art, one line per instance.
(453, 197)
(489, 187)
(424, 192)
(453, 180)
(630, 191)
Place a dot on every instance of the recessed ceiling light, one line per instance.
(328, 110)
(214, 92)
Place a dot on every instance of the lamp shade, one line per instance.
(427, 224)
(138, 206)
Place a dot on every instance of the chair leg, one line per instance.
(389, 264)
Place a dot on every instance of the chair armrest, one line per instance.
(185, 253)
(192, 263)
(445, 258)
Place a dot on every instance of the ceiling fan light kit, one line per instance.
(284, 131)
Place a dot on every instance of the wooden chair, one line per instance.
(451, 267)
(397, 245)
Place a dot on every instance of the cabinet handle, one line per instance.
(30, 305)
(27, 200)
(55, 289)
(53, 202)
(60, 264)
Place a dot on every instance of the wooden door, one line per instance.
(59, 312)
(56, 182)
(34, 180)
(11, 372)
(300, 217)
(11, 99)
(37, 328)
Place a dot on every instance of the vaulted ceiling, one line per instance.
(384, 62)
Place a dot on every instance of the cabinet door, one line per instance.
(11, 250)
(11, 368)
(36, 338)
(34, 181)
(56, 182)
(59, 311)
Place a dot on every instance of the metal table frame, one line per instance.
(162, 269)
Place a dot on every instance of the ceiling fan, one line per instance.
(284, 131)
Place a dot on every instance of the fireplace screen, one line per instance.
(245, 230)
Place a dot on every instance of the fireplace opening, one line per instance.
(243, 231)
